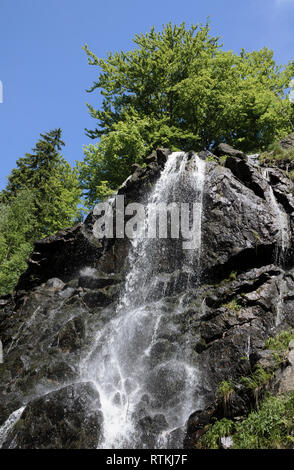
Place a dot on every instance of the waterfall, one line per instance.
(282, 288)
(248, 347)
(253, 159)
(282, 221)
(141, 362)
(9, 423)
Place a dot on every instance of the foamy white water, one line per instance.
(282, 221)
(147, 382)
(9, 423)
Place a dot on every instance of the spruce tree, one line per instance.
(17, 225)
(54, 185)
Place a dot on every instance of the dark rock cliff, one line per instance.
(73, 282)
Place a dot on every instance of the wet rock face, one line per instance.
(66, 419)
(71, 291)
(239, 230)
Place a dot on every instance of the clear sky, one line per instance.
(44, 71)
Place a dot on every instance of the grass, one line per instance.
(257, 379)
(225, 389)
(281, 157)
(233, 305)
(224, 392)
(269, 427)
(281, 342)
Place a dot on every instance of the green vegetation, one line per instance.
(280, 343)
(233, 276)
(258, 379)
(277, 155)
(54, 185)
(177, 88)
(211, 158)
(212, 438)
(270, 427)
(233, 305)
(17, 221)
(225, 390)
(41, 197)
(222, 160)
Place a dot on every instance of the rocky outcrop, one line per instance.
(68, 418)
(225, 149)
(71, 290)
(287, 143)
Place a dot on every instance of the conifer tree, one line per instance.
(54, 185)
(17, 226)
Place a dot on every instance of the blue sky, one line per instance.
(44, 71)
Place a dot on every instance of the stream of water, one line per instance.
(141, 362)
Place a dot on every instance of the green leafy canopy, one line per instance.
(179, 88)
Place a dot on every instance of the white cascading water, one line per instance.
(141, 362)
(253, 159)
(283, 289)
(8, 425)
(282, 221)
(284, 242)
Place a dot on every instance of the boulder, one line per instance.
(68, 418)
(226, 149)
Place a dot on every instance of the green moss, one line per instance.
(233, 276)
(211, 158)
(222, 160)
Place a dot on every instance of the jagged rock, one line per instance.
(60, 256)
(136, 167)
(55, 283)
(287, 142)
(151, 158)
(283, 188)
(93, 279)
(150, 427)
(225, 149)
(68, 296)
(203, 154)
(245, 173)
(68, 418)
(162, 156)
(239, 231)
(71, 336)
(265, 359)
